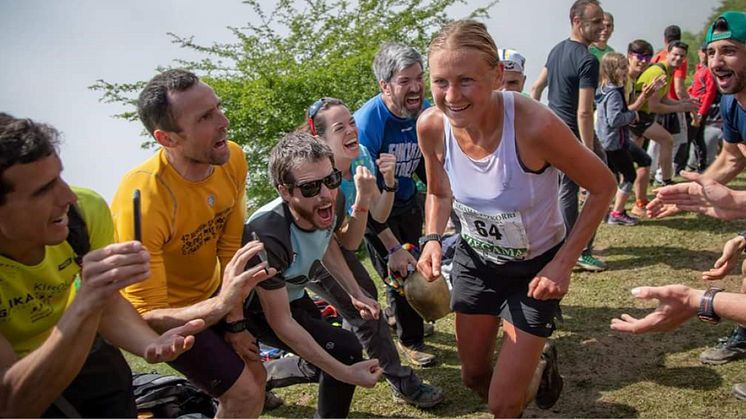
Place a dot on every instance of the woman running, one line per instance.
(495, 157)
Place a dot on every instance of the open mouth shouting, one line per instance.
(325, 214)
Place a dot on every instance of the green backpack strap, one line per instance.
(77, 235)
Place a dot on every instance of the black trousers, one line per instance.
(406, 224)
(335, 396)
(102, 388)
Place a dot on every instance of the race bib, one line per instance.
(498, 238)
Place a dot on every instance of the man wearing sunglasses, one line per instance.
(386, 124)
(299, 232)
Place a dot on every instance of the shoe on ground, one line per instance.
(739, 391)
(551, 383)
(416, 355)
(622, 218)
(424, 396)
(429, 329)
(638, 210)
(728, 349)
(272, 401)
(590, 263)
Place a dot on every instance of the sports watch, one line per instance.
(392, 188)
(706, 313)
(233, 327)
(429, 237)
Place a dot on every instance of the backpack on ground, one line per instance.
(169, 396)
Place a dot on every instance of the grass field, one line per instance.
(607, 374)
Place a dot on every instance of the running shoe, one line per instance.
(728, 349)
(622, 218)
(551, 383)
(590, 263)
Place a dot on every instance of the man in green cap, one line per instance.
(726, 53)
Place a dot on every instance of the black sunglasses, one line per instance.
(312, 188)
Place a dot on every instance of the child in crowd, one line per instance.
(611, 128)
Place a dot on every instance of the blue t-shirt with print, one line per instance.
(383, 132)
(348, 185)
(734, 119)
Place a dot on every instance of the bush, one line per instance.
(277, 68)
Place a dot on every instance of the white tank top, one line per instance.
(507, 211)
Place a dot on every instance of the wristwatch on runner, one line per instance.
(429, 237)
(233, 327)
(706, 312)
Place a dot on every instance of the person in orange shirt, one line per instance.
(193, 207)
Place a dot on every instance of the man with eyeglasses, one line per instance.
(571, 73)
(192, 194)
(300, 230)
(387, 124)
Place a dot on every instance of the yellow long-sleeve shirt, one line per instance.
(191, 229)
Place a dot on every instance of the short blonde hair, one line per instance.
(466, 33)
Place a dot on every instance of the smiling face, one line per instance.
(404, 94)
(591, 24)
(462, 82)
(726, 60)
(316, 212)
(638, 63)
(607, 29)
(34, 214)
(201, 139)
(676, 57)
(340, 134)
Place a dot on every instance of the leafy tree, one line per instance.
(275, 69)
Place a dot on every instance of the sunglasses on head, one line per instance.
(312, 111)
(643, 57)
(312, 188)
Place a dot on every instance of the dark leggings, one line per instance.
(335, 396)
(620, 162)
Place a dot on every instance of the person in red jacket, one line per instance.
(705, 90)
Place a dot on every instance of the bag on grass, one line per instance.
(168, 396)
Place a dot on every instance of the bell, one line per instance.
(431, 300)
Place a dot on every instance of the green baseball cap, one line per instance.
(735, 28)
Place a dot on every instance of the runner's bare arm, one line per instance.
(430, 136)
(548, 140)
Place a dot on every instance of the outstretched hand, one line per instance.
(727, 261)
(676, 304)
(173, 342)
(702, 195)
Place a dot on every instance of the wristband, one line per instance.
(233, 327)
(706, 312)
(358, 208)
(394, 188)
(395, 249)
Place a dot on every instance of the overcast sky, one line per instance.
(52, 50)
